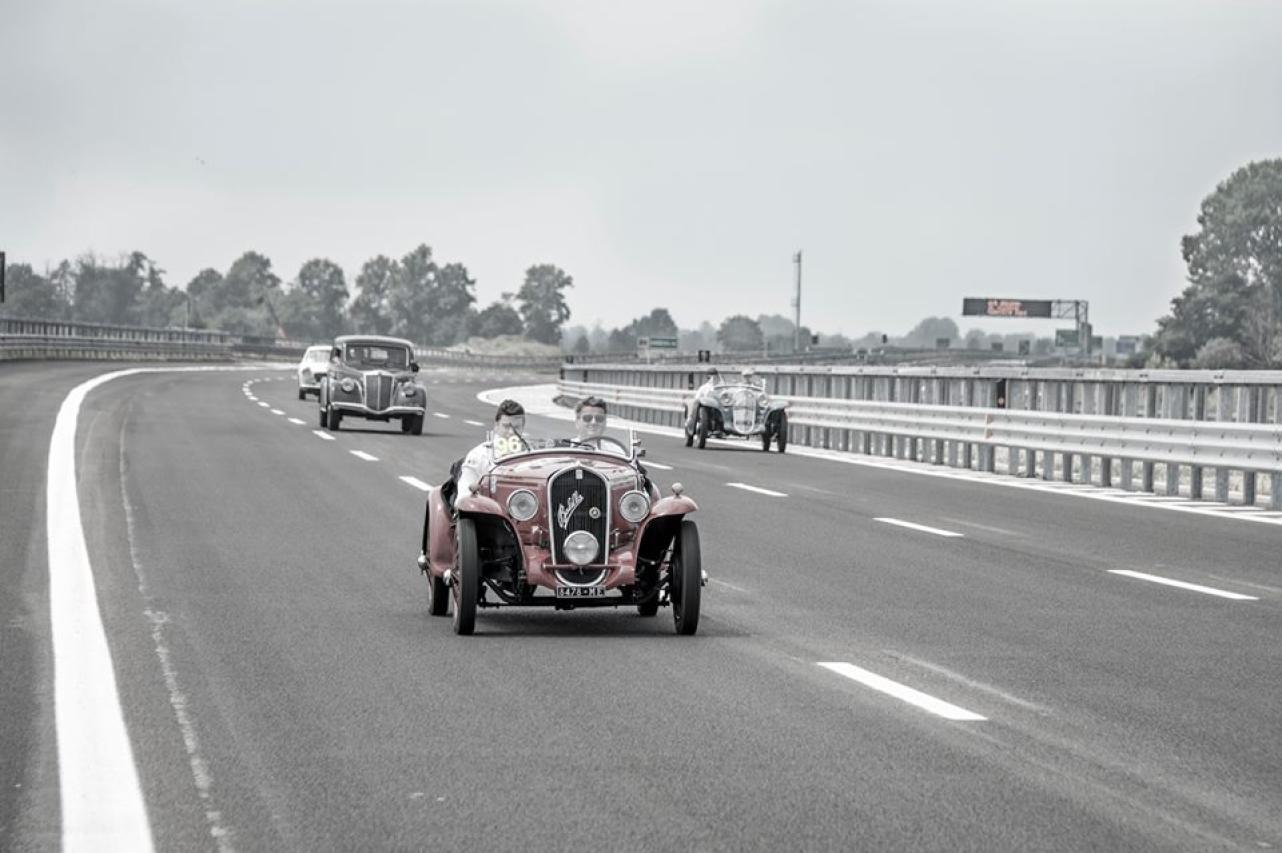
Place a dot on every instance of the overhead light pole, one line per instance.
(796, 304)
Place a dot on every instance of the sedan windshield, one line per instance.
(369, 355)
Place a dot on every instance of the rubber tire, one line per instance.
(438, 595)
(685, 586)
(415, 424)
(335, 418)
(649, 608)
(467, 577)
(302, 395)
(703, 425)
(781, 430)
(689, 431)
(324, 421)
(765, 438)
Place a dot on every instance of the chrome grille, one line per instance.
(573, 494)
(378, 391)
(743, 410)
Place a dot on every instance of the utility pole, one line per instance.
(796, 304)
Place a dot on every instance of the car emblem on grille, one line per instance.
(564, 512)
(594, 513)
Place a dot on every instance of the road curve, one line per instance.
(284, 688)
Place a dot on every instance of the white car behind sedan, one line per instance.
(311, 369)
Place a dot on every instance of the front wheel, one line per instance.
(413, 425)
(467, 577)
(781, 432)
(302, 395)
(438, 595)
(703, 425)
(334, 419)
(685, 584)
(765, 438)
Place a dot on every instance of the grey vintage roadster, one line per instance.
(743, 409)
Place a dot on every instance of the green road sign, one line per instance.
(662, 343)
(1066, 337)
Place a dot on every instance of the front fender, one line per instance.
(478, 505)
(776, 406)
(672, 505)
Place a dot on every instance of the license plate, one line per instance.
(580, 592)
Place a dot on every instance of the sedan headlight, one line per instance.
(522, 505)
(408, 389)
(348, 384)
(634, 506)
(580, 547)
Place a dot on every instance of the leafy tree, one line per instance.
(541, 302)
(410, 298)
(1234, 272)
(313, 308)
(658, 323)
(201, 295)
(740, 334)
(31, 295)
(926, 332)
(243, 301)
(581, 345)
(1219, 354)
(107, 293)
(371, 312)
(498, 318)
(453, 298)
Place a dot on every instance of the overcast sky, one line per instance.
(663, 153)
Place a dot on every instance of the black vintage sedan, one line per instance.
(372, 377)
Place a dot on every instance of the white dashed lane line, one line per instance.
(921, 527)
(361, 454)
(416, 483)
(902, 692)
(657, 465)
(440, 415)
(324, 435)
(756, 489)
(264, 405)
(1207, 590)
(296, 421)
(277, 412)
(474, 423)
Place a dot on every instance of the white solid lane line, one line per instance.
(440, 415)
(277, 412)
(416, 483)
(474, 423)
(923, 528)
(657, 465)
(324, 435)
(902, 692)
(361, 454)
(1209, 590)
(100, 795)
(296, 421)
(756, 489)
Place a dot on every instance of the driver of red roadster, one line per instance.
(509, 422)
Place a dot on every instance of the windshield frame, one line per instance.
(391, 349)
(626, 441)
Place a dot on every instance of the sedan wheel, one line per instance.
(415, 424)
(335, 418)
(685, 584)
(302, 395)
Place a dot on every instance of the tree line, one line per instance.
(414, 297)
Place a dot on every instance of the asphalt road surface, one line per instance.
(885, 661)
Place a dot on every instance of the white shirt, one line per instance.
(476, 464)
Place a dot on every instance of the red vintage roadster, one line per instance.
(563, 524)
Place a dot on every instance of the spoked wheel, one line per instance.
(686, 579)
(703, 426)
(781, 432)
(467, 577)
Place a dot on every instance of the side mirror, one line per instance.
(414, 366)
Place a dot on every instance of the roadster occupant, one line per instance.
(564, 523)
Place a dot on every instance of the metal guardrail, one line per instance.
(1105, 449)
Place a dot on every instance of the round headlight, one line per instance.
(348, 384)
(522, 504)
(580, 547)
(725, 398)
(634, 506)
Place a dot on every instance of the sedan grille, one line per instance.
(578, 499)
(378, 391)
